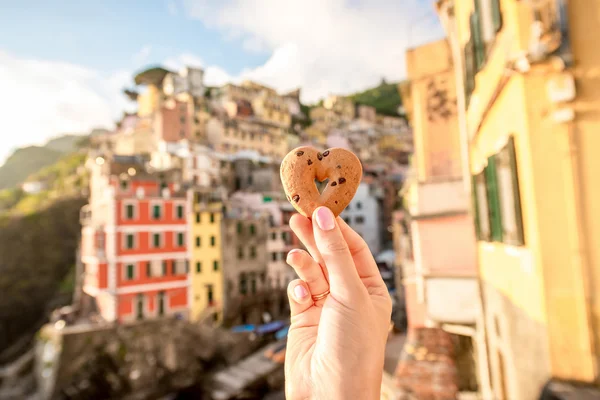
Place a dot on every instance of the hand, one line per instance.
(336, 345)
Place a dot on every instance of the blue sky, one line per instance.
(63, 64)
(108, 34)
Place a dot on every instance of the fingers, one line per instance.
(303, 228)
(343, 277)
(363, 259)
(309, 271)
(299, 297)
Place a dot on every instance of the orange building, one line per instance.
(134, 241)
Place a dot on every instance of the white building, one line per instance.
(363, 214)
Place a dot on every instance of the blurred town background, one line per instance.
(146, 260)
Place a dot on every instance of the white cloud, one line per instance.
(333, 46)
(41, 99)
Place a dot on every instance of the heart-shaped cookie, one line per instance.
(303, 165)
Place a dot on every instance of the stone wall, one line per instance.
(427, 368)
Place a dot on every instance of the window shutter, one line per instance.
(475, 208)
(469, 71)
(518, 211)
(496, 15)
(493, 200)
(477, 38)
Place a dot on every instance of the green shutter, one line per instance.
(198, 267)
(493, 200)
(475, 208)
(477, 38)
(173, 267)
(197, 217)
(213, 241)
(179, 212)
(215, 265)
(129, 271)
(130, 211)
(148, 269)
(212, 218)
(164, 267)
(156, 238)
(496, 15)
(252, 229)
(198, 243)
(239, 228)
(156, 212)
(180, 239)
(130, 241)
(516, 191)
(469, 71)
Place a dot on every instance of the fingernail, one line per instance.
(325, 219)
(300, 292)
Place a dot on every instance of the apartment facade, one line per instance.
(530, 112)
(134, 241)
(439, 267)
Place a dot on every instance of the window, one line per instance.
(140, 306)
(243, 283)
(198, 218)
(129, 241)
(347, 220)
(198, 241)
(161, 303)
(358, 205)
(253, 282)
(124, 184)
(212, 218)
(156, 240)
(252, 252)
(179, 212)
(359, 219)
(252, 229)
(180, 239)
(493, 200)
(240, 228)
(209, 294)
(174, 267)
(213, 241)
(130, 271)
(148, 270)
(273, 256)
(215, 265)
(130, 211)
(164, 268)
(198, 267)
(156, 211)
(482, 218)
(274, 236)
(509, 195)
(240, 254)
(284, 236)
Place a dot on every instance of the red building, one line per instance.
(134, 241)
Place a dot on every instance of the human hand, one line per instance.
(336, 343)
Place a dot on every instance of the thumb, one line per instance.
(344, 281)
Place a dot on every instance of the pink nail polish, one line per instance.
(325, 219)
(300, 292)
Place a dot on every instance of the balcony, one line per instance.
(452, 300)
(439, 197)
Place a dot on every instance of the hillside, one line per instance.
(65, 177)
(29, 160)
(25, 161)
(385, 98)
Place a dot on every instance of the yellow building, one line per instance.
(529, 124)
(205, 254)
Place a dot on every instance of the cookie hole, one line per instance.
(321, 185)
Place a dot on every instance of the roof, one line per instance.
(151, 76)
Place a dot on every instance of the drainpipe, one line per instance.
(445, 9)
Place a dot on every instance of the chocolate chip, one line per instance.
(300, 153)
(341, 180)
(296, 198)
(319, 156)
(309, 162)
(333, 183)
(336, 202)
(325, 153)
(339, 167)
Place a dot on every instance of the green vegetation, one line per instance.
(29, 160)
(38, 252)
(25, 161)
(385, 98)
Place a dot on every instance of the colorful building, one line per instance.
(134, 241)
(530, 106)
(438, 239)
